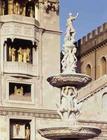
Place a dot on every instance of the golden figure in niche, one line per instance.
(17, 129)
(10, 54)
(28, 55)
(16, 8)
(13, 50)
(24, 56)
(18, 91)
(20, 55)
(27, 133)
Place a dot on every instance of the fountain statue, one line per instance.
(69, 81)
(69, 60)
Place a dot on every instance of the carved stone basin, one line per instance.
(70, 132)
(77, 80)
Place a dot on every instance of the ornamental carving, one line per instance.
(51, 6)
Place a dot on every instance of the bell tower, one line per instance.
(29, 53)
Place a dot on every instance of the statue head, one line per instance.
(70, 14)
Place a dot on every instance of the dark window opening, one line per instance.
(30, 9)
(20, 129)
(20, 51)
(19, 89)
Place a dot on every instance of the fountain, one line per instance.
(69, 81)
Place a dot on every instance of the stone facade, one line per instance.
(93, 110)
(92, 58)
(29, 54)
(92, 52)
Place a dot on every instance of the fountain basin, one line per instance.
(70, 132)
(76, 79)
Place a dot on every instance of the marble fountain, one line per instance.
(69, 81)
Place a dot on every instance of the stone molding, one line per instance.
(38, 113)
(16, 26)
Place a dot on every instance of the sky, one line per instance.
(92, 13)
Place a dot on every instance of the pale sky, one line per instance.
(92, 13)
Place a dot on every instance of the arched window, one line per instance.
(103, 65)
(88, 69)
(104, 101)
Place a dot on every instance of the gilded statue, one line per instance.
(10, 54)
(28, 55)
(24, 56)
(27, 133)
(18, 91)
(13, 50)
(17, 126)
(20, 55)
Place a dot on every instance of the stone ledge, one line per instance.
(38, 113)
(75, 79)
(92, 88)
(77, 131)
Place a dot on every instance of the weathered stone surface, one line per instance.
(70, 132)
(77, 80)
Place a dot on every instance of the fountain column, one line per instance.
(69, 81)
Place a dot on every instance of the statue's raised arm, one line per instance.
(71, 18)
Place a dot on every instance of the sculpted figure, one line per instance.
(20, 55)
(17, 129)
(24, 56)
(62, 108)
(47, 5)
(15, 90)
(10, 54)
(27, 133)
(28, 55)
(69, 60)
(67, 102)
(17, 8)
(13, 54)
(72, 60)
(18, 91)
(70, 31)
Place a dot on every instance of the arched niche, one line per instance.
(103, 65)
(88, 69)
(104, 101)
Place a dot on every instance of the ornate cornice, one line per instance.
(38, 113)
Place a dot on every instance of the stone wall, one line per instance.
(91, 49)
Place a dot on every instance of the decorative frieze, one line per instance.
(37, 114)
